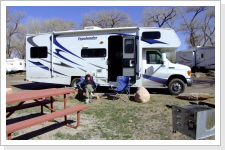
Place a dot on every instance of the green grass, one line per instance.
(118, 120)
(11, 75)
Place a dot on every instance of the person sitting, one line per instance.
(89, 86)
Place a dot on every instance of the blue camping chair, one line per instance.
(82, 90)
(123, 87)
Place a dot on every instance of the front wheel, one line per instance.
(176, 86)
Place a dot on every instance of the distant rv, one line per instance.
(198, 58)
(15, 64)
(138, 52)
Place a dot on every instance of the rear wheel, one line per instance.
(74, 82)
(176, 86)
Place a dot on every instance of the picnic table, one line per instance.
(37, 96)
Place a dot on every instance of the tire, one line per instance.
(176, 86)
(74, 82)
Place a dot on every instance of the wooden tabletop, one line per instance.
(36, 94)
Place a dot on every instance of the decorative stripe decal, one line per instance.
(59, 64)
(152, 41)
(31, 41)
(155, 79)
(152, 78)
(97, 66)
(82, 69)
(60, 46)
(58, 54)
(188, 61)
(45, 68)
(211, 65)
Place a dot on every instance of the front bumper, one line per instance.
(189, 82)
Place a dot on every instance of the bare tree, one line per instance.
(159, 16)
(107, 19)
(13, 20)
(37, 25)
(57, 24)
(20, 42)
(33, 25)
(198, 24)
(208, 27)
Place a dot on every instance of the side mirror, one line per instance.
(162, 61)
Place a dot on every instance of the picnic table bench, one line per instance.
(29, 105)
(36, 95)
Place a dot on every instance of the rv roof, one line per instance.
(198, 47)
(94, 29)
(206, 47)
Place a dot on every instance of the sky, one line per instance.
(75, 14)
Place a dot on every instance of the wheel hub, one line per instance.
(176, 87)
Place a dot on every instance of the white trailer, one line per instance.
(138, 52)
(198, 58)
(15, 64)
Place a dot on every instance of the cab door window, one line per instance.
(153, 57)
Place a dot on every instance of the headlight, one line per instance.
(189, 72)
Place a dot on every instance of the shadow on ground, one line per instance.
(133, 90)
(38, 132)
(41, 131)
(40, 86)
(37, 86)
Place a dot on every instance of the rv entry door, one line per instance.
(129, 57)
(201, 59)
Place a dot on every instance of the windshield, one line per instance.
(169, 57)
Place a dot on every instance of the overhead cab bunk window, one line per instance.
(151, 35)
(93, 53)
(39, 52)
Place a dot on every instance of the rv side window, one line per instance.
(153, 57)
(129, 46)
(151, 35)
(38, 52)
(100, 52)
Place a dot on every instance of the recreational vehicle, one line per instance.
(138, 52)
(15, 64)
(198, 58)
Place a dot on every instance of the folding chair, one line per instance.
(81, 90)
(123, 87)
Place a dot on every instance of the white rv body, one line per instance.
(15, 64)
(62, 57)
(199, 58)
